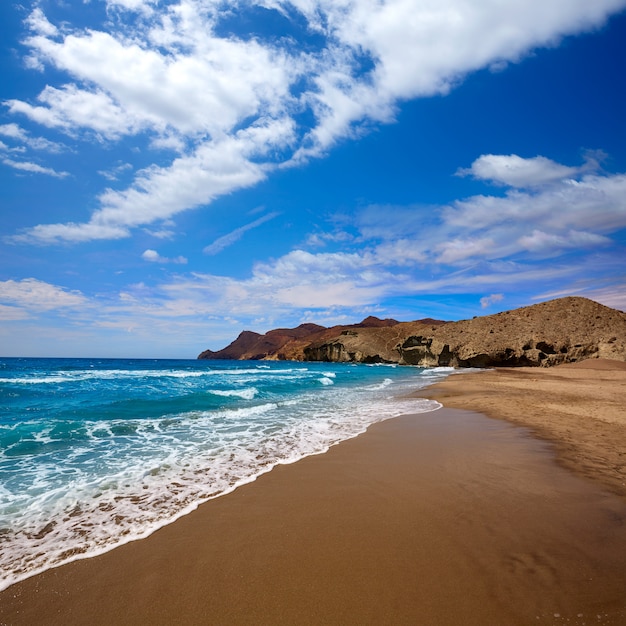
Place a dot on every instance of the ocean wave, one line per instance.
(79, 486)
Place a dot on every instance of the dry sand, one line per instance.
(445, 518)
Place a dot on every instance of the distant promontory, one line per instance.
(563, 330)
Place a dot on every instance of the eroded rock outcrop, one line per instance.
(559, 331)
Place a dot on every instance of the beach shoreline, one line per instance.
(436, 518)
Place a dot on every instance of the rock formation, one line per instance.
(558, 331)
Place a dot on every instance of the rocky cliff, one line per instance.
(558, 331)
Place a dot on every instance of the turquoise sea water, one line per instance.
(95, 453)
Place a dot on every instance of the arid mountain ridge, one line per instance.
(564, 330)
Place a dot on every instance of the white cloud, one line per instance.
(53, 233)
(514, 171)
(165, 232)
(17, 133)
(208, 89)
(425, 48)
(71, 107)
(401, 252)
(13, 131)
(39, 24)
(228, 240)
(230, 107)
(483, 242)
(37, 295)
(456, 250)
(12, 314)
(159, 193)
(142, 6)
(115, 172)
(154, 257)
(550, 242)
(34, 168)
(594, 202)
(487, 301)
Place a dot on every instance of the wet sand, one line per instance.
(579, 407)
(441, 518)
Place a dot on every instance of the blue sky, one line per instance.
(174, 172)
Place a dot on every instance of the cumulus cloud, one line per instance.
(514, 171)
(13, 131)
(487, 301)
(235, 106)
(154, 257)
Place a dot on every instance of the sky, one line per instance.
(176, 171)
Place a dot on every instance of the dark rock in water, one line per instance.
(564, 330)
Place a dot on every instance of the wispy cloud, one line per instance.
(233, 108)
(36, 295)
(115, 172)
(228, 240)
(12, 313)
(34, 168)
(18, 134)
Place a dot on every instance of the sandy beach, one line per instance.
(440, 518)
(579, 407)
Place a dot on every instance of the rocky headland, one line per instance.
(564, 330)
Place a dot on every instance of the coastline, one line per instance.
(436, 518)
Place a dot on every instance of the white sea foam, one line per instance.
(115, 374)
(246, 394)
(382, 385)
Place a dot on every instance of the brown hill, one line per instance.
(253, 346)
(565, 330)
(286, 343)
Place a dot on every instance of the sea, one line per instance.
(95, 453)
